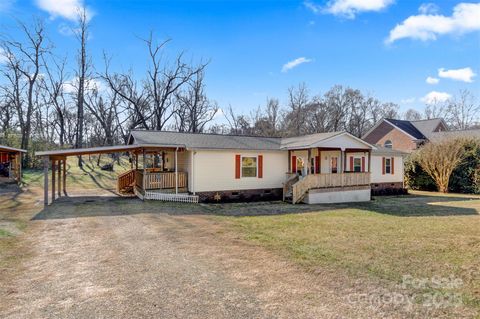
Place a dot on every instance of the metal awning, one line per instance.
(4, 148)
(106, 149)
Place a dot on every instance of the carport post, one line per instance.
(176, 172)
(59, 178)
(144, 174)
(45, 180)
(65, 176)
(53, 180)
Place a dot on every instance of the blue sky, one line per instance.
(383, 47)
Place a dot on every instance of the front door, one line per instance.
(334, 165)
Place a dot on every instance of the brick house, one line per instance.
(404, 135)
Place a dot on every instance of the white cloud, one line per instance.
(424, 27)
(465, 74)
(292, 64)
(68, 9)
(349, 8)
(436, 97)
(428, 8)
(432, 80)
(312, 7)
(410, 100)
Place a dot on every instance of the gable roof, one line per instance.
(428, 127)
(204, 140)
(408, 128)
(240, 142)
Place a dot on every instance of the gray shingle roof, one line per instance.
(218, 141)
(427, 127)
(455, 134)
(205, 141)
(306, 140)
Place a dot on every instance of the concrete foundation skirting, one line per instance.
(338, 195)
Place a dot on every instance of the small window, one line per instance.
(388, 166)
(357, 164)
(249, 167)
(388, 144)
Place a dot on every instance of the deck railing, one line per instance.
(125, 180)
(160, 180)
(301, 187)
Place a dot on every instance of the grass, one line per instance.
(418, 235)
(88, 177)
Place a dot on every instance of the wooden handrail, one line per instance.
(300, 188)
(125, 179)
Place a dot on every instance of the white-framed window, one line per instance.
(388, 144)
(388, 166)
(249, 166)
(357, 164)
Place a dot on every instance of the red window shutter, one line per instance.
(351, 163)
(363, 163)
(260, 166)
(383, 165)
(237, 166)
(392, 169)
(294, 164)
(317, 164)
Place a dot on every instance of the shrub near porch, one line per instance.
(420, 236)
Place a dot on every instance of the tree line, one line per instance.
(48, 100)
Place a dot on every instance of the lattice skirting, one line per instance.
(181, 198)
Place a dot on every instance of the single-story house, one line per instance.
(316, 168)
(11, 163)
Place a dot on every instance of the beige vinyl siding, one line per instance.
(378, 177)
(215, 170)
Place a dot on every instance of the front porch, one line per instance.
(327, 169)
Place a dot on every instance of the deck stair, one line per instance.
(126, 183)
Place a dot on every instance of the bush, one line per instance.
(465, 177)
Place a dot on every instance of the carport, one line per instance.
(11, 163)
(145, 182)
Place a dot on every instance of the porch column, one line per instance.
(309, 161)
(289, 161)
(342, 160)
(53, 180)
(193, 172)
(176, 172)
(59, 178)
(65, 177)
(319, 169)
(45, 180)
(19, 167)
(369, 160)
(144, 172)
(136, 161)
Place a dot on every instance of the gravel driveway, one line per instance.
(97, 260)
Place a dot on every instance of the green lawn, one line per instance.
(421, 235)
(88, 177)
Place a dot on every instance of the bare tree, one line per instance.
(462, 111)
(23, 67)
(412, 115)
(194, 110)
(440, 158)
(83, 73)
(298, 99)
